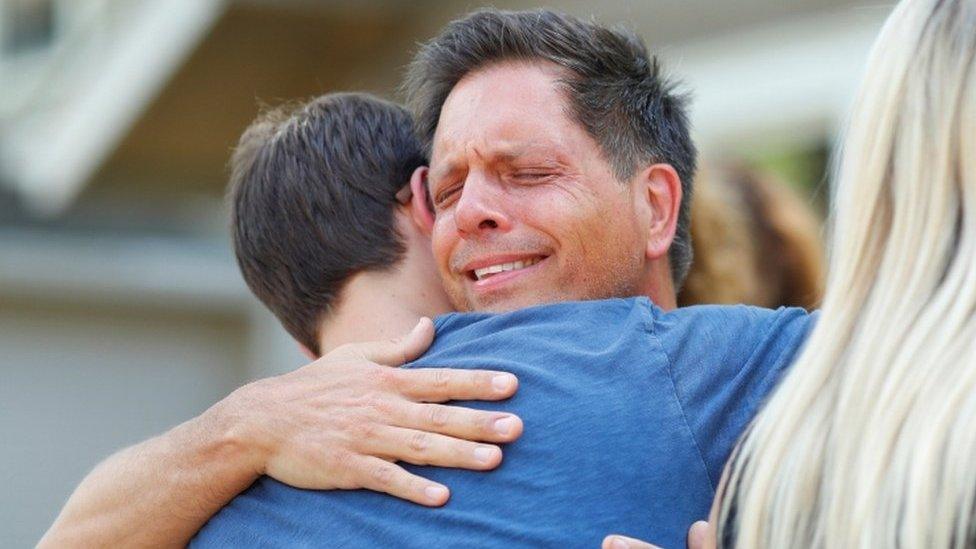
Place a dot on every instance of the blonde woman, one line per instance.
(871, 439)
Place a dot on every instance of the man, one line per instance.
(338, 230)
(708, 411)
(526, 170)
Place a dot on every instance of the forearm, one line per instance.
(306, 428)
(160, 492)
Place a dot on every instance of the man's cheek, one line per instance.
(440, 244)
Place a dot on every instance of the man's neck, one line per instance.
(373, 307)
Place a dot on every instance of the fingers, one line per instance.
(623, 542)
(443, 384)
(400, 350)
(700, 536)
(380, 475)
(422, 448)
(462, 423)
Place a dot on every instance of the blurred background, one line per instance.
(121, 309)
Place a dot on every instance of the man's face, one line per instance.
(527, 208)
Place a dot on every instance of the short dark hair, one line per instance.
(313, 197)
(615, 91)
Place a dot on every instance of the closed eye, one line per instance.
(444, 197)
(532, 176)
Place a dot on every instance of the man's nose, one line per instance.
(481, 208)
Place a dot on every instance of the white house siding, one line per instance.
(80, 383)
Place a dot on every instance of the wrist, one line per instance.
(234, 427)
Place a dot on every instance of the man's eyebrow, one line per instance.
(514, 151)
(443, 170)
(534, 151)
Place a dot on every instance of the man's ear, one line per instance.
(660, 190)
(420, 209)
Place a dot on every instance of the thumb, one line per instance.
(399, 350)
(623, 542)
(699, 535)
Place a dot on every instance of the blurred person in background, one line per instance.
(756, 242)
(870, 439)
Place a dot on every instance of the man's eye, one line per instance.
(444, 197)
(530, 176)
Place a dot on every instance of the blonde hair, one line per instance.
(871, 439)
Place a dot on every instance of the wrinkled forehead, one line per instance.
(516, 93)
(505, 110)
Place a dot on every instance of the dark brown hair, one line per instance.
(615, 91)
(312, 193)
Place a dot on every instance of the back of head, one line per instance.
(869, 441)
(312, 192)
(614, 90)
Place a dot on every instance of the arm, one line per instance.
(159, 492)
(339, 422)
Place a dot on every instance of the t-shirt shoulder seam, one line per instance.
(674, 390)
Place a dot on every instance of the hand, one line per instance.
(341, 421)
(623, 542)
(700, 536)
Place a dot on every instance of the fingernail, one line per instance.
(504, 425)
(618, 543)
(435, 493)
(502, 382)
(483, 453)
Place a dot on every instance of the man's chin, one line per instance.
(511, 301)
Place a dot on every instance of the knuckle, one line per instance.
(419, 442)
(441, 378)
(487, 424)
(365, 430)
(483, 381)
(380, 405)
(383, 473)
(342, 424)
(387, 377)
(373, 401)
(438, 416)
(342, 469)
(340, 460)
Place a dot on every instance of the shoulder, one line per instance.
(732, 321)
(566, 327)
(563, 315)
(729, 333)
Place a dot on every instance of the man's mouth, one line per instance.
(502, 266)
(491, 270)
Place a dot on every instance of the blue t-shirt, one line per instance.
(630, 413)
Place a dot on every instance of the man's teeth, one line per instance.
(502, 267)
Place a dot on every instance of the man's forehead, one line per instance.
(504, 111)
(511, 89)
